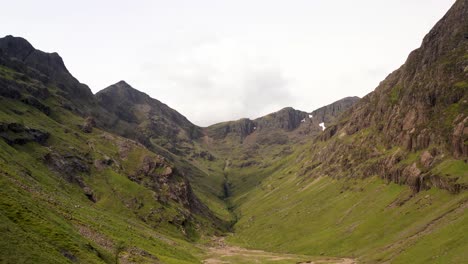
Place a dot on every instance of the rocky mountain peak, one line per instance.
(16, 47)
(287, 119)
(146, 116)
(328, 113)
(123, 84)
(48, 68)
(20, 49)
(122, 92)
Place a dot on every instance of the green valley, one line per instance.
(120, 177)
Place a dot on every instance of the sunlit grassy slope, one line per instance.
(369, 219)
(45, 219)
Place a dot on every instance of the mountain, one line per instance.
(387, 182)
(46, 69)
(120, 177)
(74, 191)
(147, 116)
(287, 119)
(329, 113)
(421, 108)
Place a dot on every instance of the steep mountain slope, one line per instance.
(285, 120)
(420, 108)
(42, 69)
(153, 120)
(74, 192)
(329, 113)
(135, 115)
(248, 150)
(387, 182)
(121, 177)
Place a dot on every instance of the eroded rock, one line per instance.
(16, 133)
(88, 125)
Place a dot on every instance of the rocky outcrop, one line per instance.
(204, 155)
(421, 107)
(460, 137)
(283, 121)
(88, 125)
(136, 115)
(331, 112)
(16, 133)
(19, 54)
(240, 128)
(418, 104)
(71, 167)
(287, 119)
(156, 173)
(36, 104)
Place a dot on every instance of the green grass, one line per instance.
(338, 218)
(461, 85)
(279, 204)
(452, 168)
(395, 94)
(41, 214)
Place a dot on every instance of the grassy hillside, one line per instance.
(136, 182)
(385, 183)
(369, 218)
(95, 216)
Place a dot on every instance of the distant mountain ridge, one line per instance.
(122, 177)
(286, 119)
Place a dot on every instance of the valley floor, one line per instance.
(221, 253)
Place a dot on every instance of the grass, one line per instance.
(333, 222)
(395, 94)
(41, 214)
(275, 201)
(461, 85)
(452, 168)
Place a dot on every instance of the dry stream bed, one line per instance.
(218, 252)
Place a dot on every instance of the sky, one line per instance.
(215, 60)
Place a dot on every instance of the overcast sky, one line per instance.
(222, 60)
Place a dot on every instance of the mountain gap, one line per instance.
(120, 177)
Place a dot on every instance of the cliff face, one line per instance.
(329, 113)
(419, 109)
(424, 101)
(286, 121)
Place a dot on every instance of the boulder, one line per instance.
(88, 125)
(426, 159)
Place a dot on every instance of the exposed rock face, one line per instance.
(460, 137)
(329, 113)
(286, 120)
(141, 117)
(36, 104)
(242, 128)
(157, 174)
(426, 159)
(19, 54)
(411, 106)
(88, 125)
(422, 104)
(204, 155)
(70, 167)
(15, 133)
